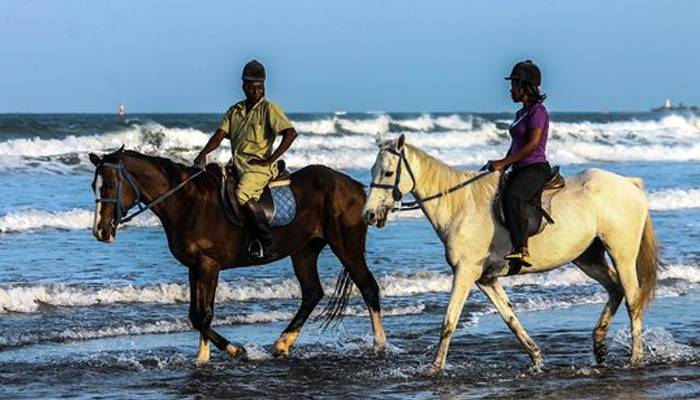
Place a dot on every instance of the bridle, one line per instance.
(121, 216)
(396, 193)
(395, 188)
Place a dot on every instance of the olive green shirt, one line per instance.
(253, 133)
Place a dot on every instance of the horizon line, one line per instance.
(378, 112)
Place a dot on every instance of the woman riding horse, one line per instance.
(526, 156)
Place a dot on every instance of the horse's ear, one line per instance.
(400, 142)
(121, 150)
(378, 139)
(95, 159)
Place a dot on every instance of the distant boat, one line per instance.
(669, 107)
(339, 113)
(121, 110)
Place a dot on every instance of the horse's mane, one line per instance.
(175, 171)
(436, 176)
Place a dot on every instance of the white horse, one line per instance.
(597, 212)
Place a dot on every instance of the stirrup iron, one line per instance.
(255, 249)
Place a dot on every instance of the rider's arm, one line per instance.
(279, 124)
(288, 136)
(211, 145)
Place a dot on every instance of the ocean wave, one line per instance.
(342, 142)
(660, 200)
(33, 220)
(671, 128)
(368, 126)
(674, 199)
(173, 325)
(30, 299)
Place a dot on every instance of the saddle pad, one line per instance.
(285, 206)
(277, 201)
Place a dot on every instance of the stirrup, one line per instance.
(255, 249)
(517, 257)
(513, 255)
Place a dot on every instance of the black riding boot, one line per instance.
(261, 245)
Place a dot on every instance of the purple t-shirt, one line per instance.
(536, 118)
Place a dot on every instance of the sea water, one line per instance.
(80, 318)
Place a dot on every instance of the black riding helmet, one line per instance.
(253, 71)
(526, 71)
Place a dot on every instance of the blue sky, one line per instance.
(186, 56)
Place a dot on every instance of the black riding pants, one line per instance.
(524, 184)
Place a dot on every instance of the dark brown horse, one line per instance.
(329, 212)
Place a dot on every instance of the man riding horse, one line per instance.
(252, 125)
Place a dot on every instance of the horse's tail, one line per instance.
(647, 265)
(333, 313)
(352, 195)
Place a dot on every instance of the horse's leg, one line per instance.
(462, 281)
(494, 291)
(347, 240)
(306, 270)
(348, 246)
(203, 281)
(624, 257)
(594, 264)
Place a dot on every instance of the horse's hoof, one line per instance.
(236, 351)
(600, 351)
(280, 349)
(537, 368)
(434, 370)
(284, 344)
(380, 348)
(202, 361)
(280, 353)
(538, 362)
(636, 363)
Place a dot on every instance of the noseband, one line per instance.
(121, 216)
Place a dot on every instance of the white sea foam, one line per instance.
(659, 346)
(684, 272)
(7, 339)
(423, 123)
(661, 200)
(28, 299)
(454, 122)
(32, 220)
(368, 126)
(318, 127)
(345, 142)
(674, 199)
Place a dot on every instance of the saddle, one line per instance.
(538, 211)
(277, 199)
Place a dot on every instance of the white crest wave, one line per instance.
(32, 220)
(342, 142)
(29, 299)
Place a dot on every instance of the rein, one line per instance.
(414, 205)
(130, 180)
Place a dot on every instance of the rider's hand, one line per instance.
(496, 165)
(259, 162)
(200, 162)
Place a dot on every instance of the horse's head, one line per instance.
(114, 194)
(389, 181)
